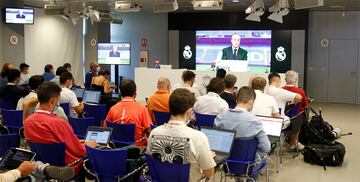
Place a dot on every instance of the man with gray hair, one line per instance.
(291, 77)
(94, 69)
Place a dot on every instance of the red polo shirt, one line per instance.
(46, 128)
(300, 91)
(128, 111)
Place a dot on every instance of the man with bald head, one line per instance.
(160, 100)
(234, 52)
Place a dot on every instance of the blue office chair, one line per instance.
(123, 134)
(98, 111)
(292, 111)
(106, 165)
(205, 120)
(165, 171)
(161, 117)
(13, 120)
(8, 104)
(80, 125)
(66, 107)
(7, 141)
(232, 106)
(54, 153)
(241, 162)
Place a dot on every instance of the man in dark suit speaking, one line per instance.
(114, 52)
(234, 52)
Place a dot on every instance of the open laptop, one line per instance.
(271, 125)
(91, 97)
(101, 135)
(79, 92)
(221, 142)
(14, 157)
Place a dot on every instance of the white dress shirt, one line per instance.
(281, 96)
(264, 105)
(211, 104)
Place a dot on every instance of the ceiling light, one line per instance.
(337, 6)
(255, 11)
(235, 1)
(280, 9)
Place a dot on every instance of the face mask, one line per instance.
(56, 108)
(71, 85)
(98, 69)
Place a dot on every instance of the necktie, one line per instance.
(234, 54)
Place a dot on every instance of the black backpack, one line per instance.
(316, 131)
(324, 154)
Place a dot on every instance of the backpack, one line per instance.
(316, 131)
(324, 154)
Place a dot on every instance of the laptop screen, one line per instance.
(271, 125)
(219, 140)
(14, 157)
(79, 92)
(99, 134)
(92, 96)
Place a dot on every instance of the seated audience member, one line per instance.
(220, 73)
(38, 171)
(69, 96)
(60, 70)
(102, 84)
(184, 145)
(246, 124)
(282, 96)
(67, 66)
(30, 92)
(11, 91)
(94, 68)
(228, 94)
(212, 103)
(188, 78)
(46, 128)
(24, 75)
(160, 100)
(291, 77)
(4, 71)
(48, 72)
(264, 105)
(128, 111)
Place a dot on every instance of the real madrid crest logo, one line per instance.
(187, 52)
(280, 54)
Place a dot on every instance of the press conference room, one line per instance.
(179, 90)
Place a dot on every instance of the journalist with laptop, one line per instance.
(246, 124)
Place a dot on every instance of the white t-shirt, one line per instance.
(68, 96)
(281, 96)
(211, 104)
(186, 145)
(186, 86)
(21, 101)
(24, 79)
(264, 105)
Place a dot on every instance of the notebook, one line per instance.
(271, 125)
(14, 157)
(100, 135)
(91, 97)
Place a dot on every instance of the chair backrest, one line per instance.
(292, 111)
(161, 117)
(66, 107)
(7, 141)
(80, 125)
(205, 120)
(8, 104)
(98, 111)
(122, 133)
(232, 106)
(108, 165)
(243, 150)
(54, 153)
(13, 119)
(165, 171)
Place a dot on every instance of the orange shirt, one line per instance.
(128, 111)
(158, 102)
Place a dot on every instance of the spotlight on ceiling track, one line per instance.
(163, 6)
(256, 10)
(280, 9)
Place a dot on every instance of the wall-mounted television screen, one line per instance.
(19, 15)
(114, 53)
(234, 50)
